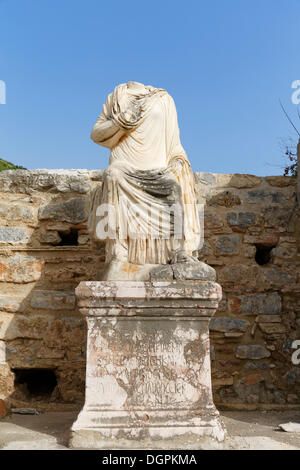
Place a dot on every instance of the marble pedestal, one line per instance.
(148, 377)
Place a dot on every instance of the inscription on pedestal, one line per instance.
(153, 368)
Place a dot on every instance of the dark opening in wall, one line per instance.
(35, 383)
(69, 238)
(263, 254)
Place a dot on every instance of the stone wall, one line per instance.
(251, 238)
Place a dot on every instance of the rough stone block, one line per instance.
(250, 394)
(281, 181)
(265, 239)
(224, 198)
(252, 351)
(212, 221)
(66, 333)
(51, 238)
(241, 219)
(72, 211)
(278, 278)
(21, 326)
(263, 196)
(83, 239)
(161, 273)
(225, 324)
(269, 319)
(238, 275)
(255, 304)
(27, 182)
(52, 300)
(193, 271)
(227, 244)
(277, 216)
(14, 211)
(11, 304)
(203, 178)
(13, 235)
(252, 379)
(50, 353)
(243, 181)
(285, 251)
(272, 328)
(20, 269)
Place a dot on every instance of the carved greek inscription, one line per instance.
(158, 363)
(163, 388)
(160, 392)
(152, 372)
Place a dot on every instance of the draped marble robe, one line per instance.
(148, 169)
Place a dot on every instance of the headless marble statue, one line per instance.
(148, 176)
(151, 301)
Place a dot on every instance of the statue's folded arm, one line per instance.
(106, 133)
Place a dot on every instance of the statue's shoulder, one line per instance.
(162, 94)
(167, 98)
(121, 86)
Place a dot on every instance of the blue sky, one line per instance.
(225, 62)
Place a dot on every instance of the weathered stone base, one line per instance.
(198, 433)
(148, 379)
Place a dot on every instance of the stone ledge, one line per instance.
(79, 180)
(149, 290)
(144, 299)
(168, 311)
(28, 181)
